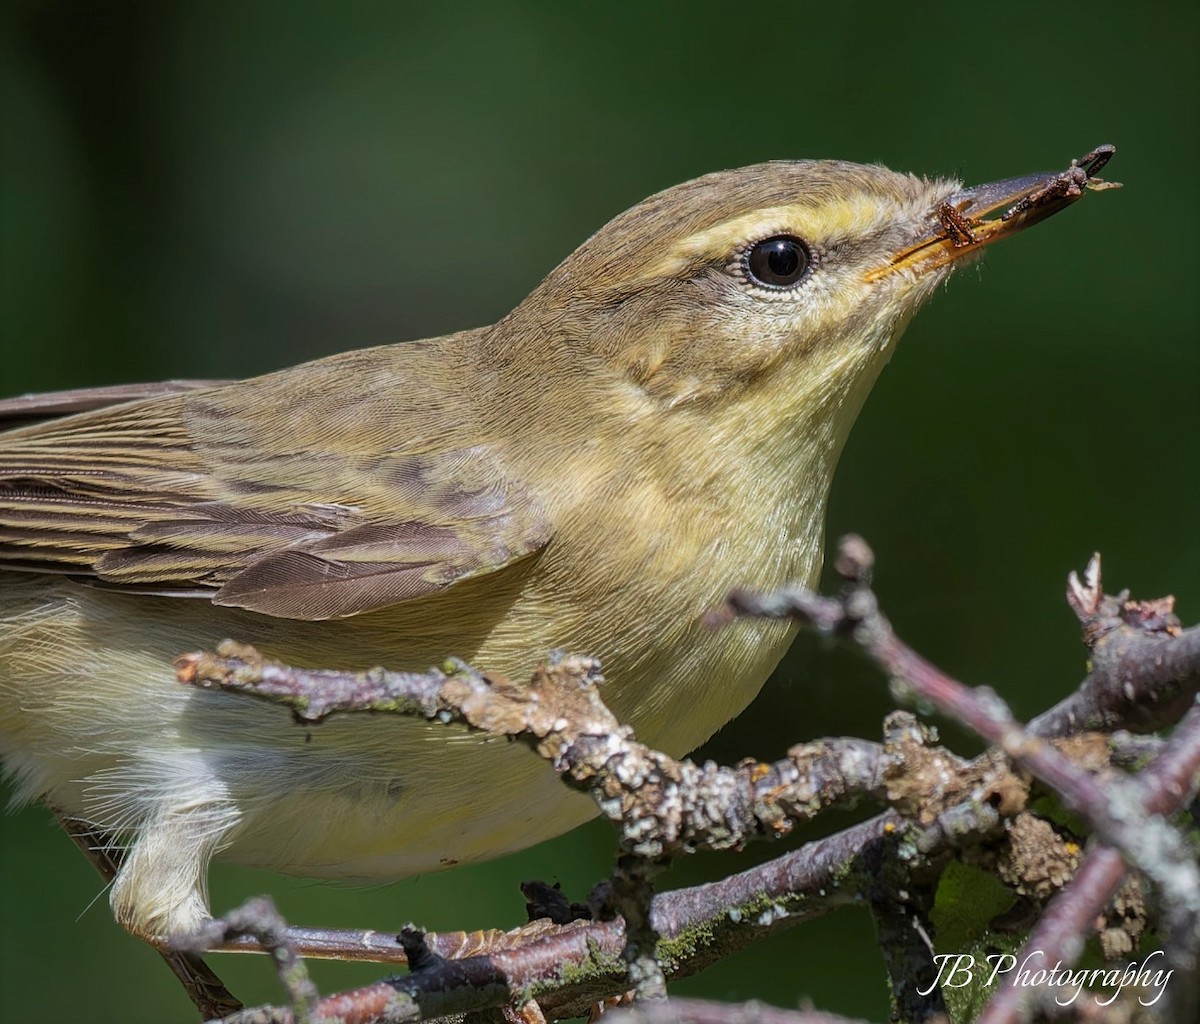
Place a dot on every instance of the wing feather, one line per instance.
(53, 404)
(346, 499)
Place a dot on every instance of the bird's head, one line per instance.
(794, 276)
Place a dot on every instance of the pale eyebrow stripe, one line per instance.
(840, 220)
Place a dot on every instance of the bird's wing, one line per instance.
(26, 409)
(300, 494)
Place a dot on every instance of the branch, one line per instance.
(701, 1011)
(1145, 659)
(1114, 809)
(1145, 669)
(664, 807)
(1166, 786)
(661, 805)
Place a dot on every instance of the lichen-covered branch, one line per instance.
(662, 806)
(941, 806)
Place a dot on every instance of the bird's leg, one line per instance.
(202, 985)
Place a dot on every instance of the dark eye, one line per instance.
(777, 262)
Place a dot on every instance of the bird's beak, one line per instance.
(961, 226)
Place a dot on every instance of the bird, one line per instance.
(657, 422)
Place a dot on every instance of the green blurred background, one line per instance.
(218, 189)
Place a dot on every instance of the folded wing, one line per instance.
(303, 494)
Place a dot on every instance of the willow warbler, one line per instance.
(656, 423)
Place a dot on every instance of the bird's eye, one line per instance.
(780, 261)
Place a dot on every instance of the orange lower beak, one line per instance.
(961, 225)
